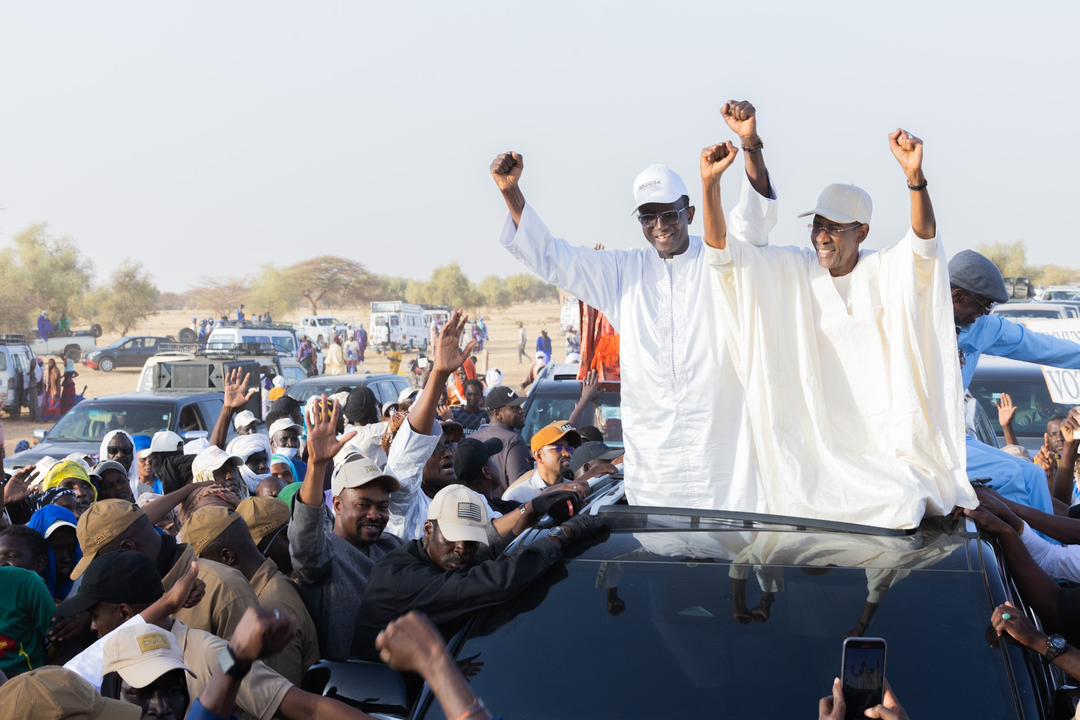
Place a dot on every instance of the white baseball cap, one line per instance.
(164, 441)
(282, 424)
(658, 184)
(211, 459)
(462, 514)
(243, 419)
(843, 203)
(408, 394)
(142, 653)
(358, 470)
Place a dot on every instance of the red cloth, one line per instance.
(599, 345)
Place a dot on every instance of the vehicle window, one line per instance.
(681, 616)
(149, 343)
(293, 374)
(284, 344)
(189, 420)
(127, 345)
(210, 410)
(89, 423)
(3, 362)
(1023, 313)
(304, 391)
(547, 408)
(1033, 404)
(394, 320)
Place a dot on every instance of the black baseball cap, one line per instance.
(502, 396)
(471, 456)
(592, 451)
(122, 576)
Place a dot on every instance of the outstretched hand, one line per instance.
(716, 159)
(237, 392)
(447, 355)
(1006, 410)
(18, 487)
(741, 117)
(322, 441)
(506, 170)
(908, 151)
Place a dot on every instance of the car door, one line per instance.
(123, 353)
(146, 348)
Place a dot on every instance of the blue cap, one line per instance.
(976, 274)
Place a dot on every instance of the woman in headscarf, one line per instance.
(119, 446)
(72, 475)
(57, 525)
(67, 388)
(50, 407)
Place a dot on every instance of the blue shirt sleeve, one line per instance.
(198, 712)
(994, 335)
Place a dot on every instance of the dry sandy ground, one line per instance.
(501, 350)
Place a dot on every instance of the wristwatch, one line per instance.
(232, 665)
(1055, 646)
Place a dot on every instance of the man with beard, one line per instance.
(332, 558)
(552, 447)
(977, 285)
(507, 417)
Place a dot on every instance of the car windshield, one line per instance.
(546, 407)
(1028, 313)
(741, 625)
(1031, 398)
(89, 422)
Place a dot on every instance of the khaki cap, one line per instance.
(142, 653)
(264, 516)
(206, 525)
(54, 693)
(103, 522)
(462, 514)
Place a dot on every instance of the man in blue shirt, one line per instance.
(977, 286)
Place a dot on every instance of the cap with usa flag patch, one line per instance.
(462, 514)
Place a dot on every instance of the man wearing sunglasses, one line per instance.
(682, 406)
(552, 448)
(977, 285)
(848, 356)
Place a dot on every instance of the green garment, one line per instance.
(26, 611)
(65, 325)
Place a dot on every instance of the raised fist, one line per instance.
(506, 170)
(741, 117)
(716, 159)
(907, 149)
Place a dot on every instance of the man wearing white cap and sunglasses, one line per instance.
(848, 356)
(682, 407)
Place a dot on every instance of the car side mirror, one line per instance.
(370, 686)
(39, 433)
(194, 434)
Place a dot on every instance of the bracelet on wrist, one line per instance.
(917, 188)
(753, 147)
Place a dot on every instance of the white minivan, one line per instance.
(15, 359)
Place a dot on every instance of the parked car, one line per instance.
(15, 359)
(320, 328)
(70, 345)
(385, 387)
(230, 334)
(1020, 311)
(554, 395)
(1060, 292)
(125, 352)
(1025, 383)
(710, 613)
(83, 427)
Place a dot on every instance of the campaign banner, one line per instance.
(1063, 384)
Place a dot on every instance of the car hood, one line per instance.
(53, 449)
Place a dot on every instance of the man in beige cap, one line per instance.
(848, 357)
(268, 520)
(119, 525)
(218, 534)
(443, 575)
(55, 694)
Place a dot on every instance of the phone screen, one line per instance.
(863, 674)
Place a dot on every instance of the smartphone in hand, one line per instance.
(862, 675)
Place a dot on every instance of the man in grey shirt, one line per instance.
(333, 559)
(507, 418)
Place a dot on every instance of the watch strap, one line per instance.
(1056, 645)
(232, 665)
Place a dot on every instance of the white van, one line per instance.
(227, 335)
(15, 359)
(396, 324)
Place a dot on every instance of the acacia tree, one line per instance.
(129, 297)
(331, 280)
(273, 290)
(221, 295)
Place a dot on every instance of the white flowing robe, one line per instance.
(683, 413)
(856, 415)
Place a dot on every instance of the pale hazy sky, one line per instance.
(204, 138)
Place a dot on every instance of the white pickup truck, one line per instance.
(69, 345)
(320, 328)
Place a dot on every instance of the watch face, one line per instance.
(1058, 643)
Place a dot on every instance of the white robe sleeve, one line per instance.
(590, 275)
(753, 217)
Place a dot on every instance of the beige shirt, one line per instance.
(227, 596)
(261, 691)
(274, 590)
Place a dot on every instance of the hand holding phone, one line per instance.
(862, 675)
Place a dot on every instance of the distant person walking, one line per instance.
(362, 340)
(543, 345)
(67, 392)
(523, 340)
(335, 357)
